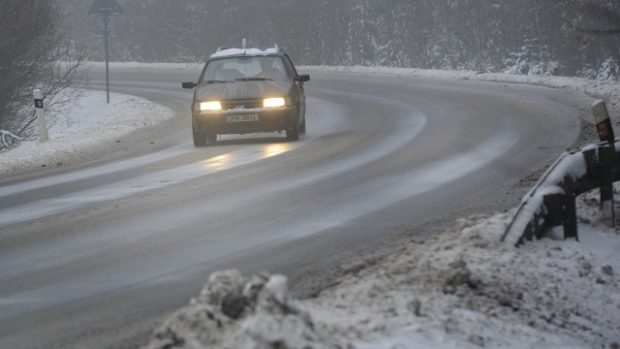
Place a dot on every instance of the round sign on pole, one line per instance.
(104, 11)
(105, 7)
(101, 27)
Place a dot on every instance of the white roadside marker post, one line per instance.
(40, 112)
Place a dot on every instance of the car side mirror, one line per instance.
(303, 78)
(189, 85)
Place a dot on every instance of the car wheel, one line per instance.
(211, 138)
(199, 138)
(303, 126)
(292, 134)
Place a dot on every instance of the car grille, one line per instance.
(242, 104)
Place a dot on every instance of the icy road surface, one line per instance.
(94, 256)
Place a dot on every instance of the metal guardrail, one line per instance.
(551, 202)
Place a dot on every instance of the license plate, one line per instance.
(241, 118)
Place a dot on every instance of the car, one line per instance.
(248, 90)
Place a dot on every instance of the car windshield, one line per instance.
(231, 69)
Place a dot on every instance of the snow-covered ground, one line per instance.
(81, 125)
(462, 289)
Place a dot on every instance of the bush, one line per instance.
(34, 50)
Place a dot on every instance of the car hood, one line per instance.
(243, 90)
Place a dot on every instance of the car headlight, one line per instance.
(274, 102)
(210, 106)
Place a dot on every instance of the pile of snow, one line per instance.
(234, 312)
(462, 289)
(80, 125)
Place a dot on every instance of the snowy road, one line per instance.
(92, 257)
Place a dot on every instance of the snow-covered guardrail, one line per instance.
(552, 200)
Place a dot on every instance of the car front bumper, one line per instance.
(269, 120)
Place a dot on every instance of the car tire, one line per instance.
(303, 126)
(199, 138)
(292, 134)
(211, 138)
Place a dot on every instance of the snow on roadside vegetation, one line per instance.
(462, 289)
(80, 126)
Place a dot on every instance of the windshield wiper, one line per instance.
(216, 81)
(253, 79)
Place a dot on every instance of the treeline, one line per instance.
(562, 37)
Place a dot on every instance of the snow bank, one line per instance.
(79, 127)
(462, 289)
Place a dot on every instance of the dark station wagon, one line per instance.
(243, 91)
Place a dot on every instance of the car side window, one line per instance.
(289, 65)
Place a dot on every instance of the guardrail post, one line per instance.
(40, 112)
(606, 158)
(570, 217)
(590, 157)
(561, 210)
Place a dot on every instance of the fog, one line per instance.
(560, 37)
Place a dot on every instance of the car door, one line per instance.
(298, 86)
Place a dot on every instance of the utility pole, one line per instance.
(104, 10)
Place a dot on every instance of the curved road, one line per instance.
(95, 255)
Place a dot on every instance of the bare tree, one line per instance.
(34, 51)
